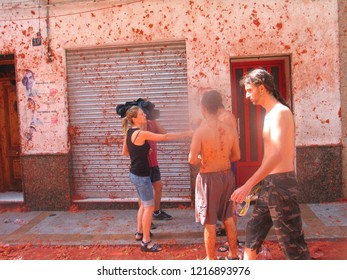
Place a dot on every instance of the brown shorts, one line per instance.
(212, 194)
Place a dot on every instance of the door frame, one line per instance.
(246, 166)
(11, 181)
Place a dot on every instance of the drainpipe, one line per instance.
(49, 50)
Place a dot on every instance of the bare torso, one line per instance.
(278, 133)
(217, 141)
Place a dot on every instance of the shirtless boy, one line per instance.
(276, 204)
(214, 146)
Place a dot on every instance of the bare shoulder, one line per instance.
(201, 130)
(286, 111)
(145, 135)
(230, 117)
(280, 114)
(227, 117)
(226, 114)
(281, 110)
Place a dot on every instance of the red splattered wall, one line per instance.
(214, 31)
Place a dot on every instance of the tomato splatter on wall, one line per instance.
(213, 33)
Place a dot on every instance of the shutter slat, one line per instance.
(101, 78)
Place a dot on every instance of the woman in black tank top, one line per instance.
(136, 145)
(138, 154)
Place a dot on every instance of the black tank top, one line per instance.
(138, 155)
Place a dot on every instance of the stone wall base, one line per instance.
(46, 183)
(319, 173)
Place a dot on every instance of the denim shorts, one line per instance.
(144, 189)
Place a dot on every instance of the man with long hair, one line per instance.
(276, 204)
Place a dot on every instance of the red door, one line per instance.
(249, 117)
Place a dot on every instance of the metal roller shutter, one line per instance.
(101, 78)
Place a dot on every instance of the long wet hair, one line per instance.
(259, 77)
(128, 119)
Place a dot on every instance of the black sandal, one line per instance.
(154, 248)
(228, 258)
(139, 236)
(223, 248)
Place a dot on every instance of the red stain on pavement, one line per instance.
(319, 250)
(74, 208)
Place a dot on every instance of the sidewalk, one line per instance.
(117, 227)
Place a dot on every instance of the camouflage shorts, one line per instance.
(277, 206)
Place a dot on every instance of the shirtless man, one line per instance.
(228, 118)
(276, 204)
(214, 146)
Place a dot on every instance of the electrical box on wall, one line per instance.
(37, 41)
